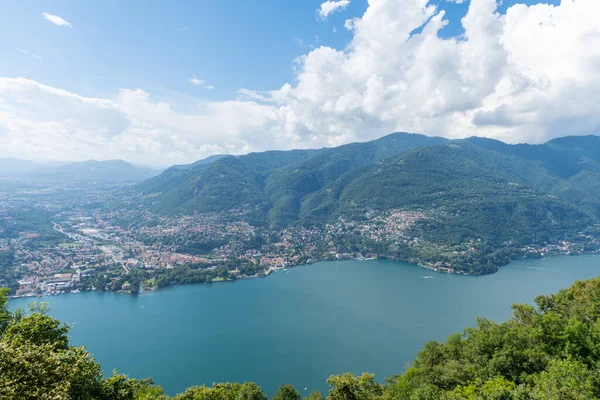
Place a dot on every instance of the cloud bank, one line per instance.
(525, 76)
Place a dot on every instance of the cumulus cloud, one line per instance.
(56, 20)
(331, 6)
(490, 82)
(39, 121)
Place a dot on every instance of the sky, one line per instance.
(161, 83)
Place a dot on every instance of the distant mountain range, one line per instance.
(485, 188)
(92, 170)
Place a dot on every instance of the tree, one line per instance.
(350, 387)
(120, 387)
(314, 395)
(565, 380)
(251, 391)
(286, 392)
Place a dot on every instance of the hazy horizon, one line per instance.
(59, 162)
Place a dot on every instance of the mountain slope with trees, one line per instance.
(479, 193)
(290, 187)
(480, 202)
(272, 183)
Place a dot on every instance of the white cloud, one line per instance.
(329, 7)
(39, 121)
(201, 83)
(29, 54)
(489, 82)
(56, 20)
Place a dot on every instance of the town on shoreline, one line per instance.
(98, 255)
(68, 239)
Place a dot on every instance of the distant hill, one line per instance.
(92, 170)
(13, 167)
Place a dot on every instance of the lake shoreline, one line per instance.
(271, 270)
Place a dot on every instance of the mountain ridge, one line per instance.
(115, 170)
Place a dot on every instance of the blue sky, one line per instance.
(170, 82)
(160, 45)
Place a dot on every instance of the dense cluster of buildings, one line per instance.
(113, 242)
(94, 242)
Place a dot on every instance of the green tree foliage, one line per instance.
(286, 392)
(314, 395)
(548, 352)
(36, 362)
(350, 387)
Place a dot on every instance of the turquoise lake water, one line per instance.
(299, 326)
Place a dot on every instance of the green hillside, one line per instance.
(398, 170)
(286, 188)
(479, 194)
(272, 184)
(480, 202)
(548, 352)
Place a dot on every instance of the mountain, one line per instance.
(465, 191)
(92, 170)
(476, 193)
(199, 163)
(272, 184)
(572, 163)
(15, 167)
(175, 175)
(287, 187)
(227, 183)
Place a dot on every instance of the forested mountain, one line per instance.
(397, 171)
(175, 175)
(479, 192)
(272, 183)
(548, 352)
(478, 202)
(227, 183)
(287, 187)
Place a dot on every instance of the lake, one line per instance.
(302, 325)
